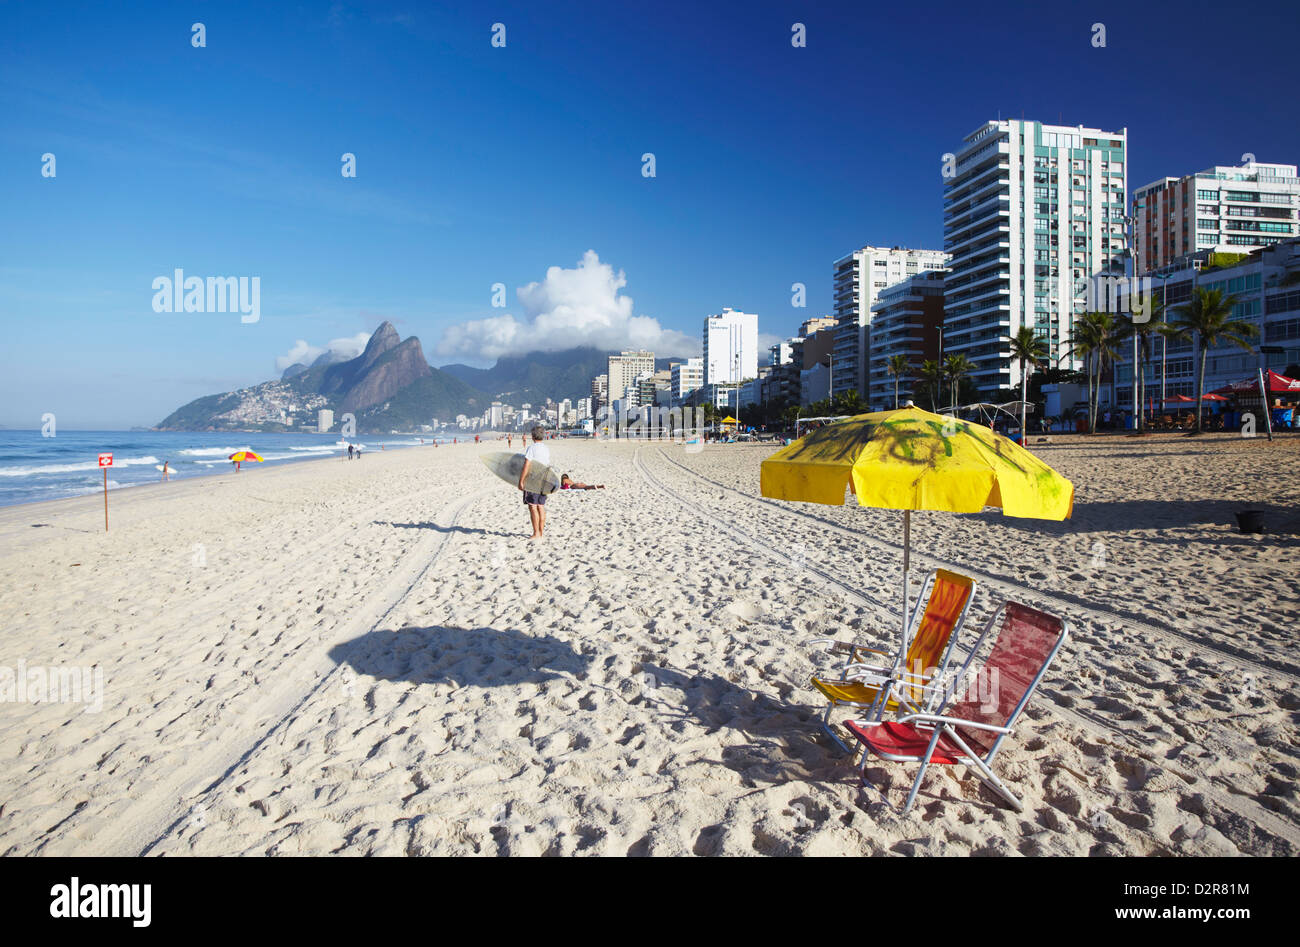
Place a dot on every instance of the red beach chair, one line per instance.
(979, 707)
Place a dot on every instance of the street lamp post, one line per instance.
(735, 360)
(1133, 252)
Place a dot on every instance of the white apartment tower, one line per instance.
(730, 347)
(686, 377)
(324, 420)
(1031, 213)
(624, 369)
(1233, 210)
(859, 278)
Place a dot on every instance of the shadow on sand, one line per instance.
(452, 529)
(1161, 514)
(482, 657)
(783, 742)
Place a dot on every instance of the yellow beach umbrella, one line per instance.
(245, 455)
(729, 420)
(910, 459)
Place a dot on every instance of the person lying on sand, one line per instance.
(567, 484)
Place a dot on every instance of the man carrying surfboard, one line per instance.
(539, 453)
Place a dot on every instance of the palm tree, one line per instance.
(897, 365)
(1209, 315)
(847, 403)
(1030, 349)
(955, 368)
(1094, 339)
(932, 374)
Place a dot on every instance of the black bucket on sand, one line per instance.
(1250, 521)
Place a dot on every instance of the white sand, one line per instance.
(368, 658)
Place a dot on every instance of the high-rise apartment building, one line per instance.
(859, 278)
(908, 320)
(1031, 214)
(730, 347)
(1233, 210)
(624, 370)
(599, 393)
(324, 420)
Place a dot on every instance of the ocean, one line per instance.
(34, 467)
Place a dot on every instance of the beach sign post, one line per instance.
(105, 461)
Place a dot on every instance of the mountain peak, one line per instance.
(383, 339)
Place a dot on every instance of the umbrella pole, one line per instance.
(907, 564)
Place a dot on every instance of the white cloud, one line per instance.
(581, 306)
(304, 354)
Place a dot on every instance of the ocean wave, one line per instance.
(25, 471)
(210, 451)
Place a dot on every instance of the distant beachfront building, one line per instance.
(599, 394)
(1226, 209)
(817, 366)
(686, 377)
(858, 279)
(496, 415)
(730, 347)
(751, 392)
(324, 420)
(654, 388)
(1266, 283)
(624, 369)
(584, 408)
(907, 321)
(1032, 212)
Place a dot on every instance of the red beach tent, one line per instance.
(1277, 384)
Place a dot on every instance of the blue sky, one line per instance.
(478, 165)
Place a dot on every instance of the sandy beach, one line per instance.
(366, 658)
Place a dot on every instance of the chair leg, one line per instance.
(925, 764)
(916, 787)
(989, 779)
(826, 726)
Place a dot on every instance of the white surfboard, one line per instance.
(541, 478)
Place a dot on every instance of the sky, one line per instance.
(520, 166)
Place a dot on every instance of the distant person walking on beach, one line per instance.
(166, 471)
(358, 452)
(509, 441)
(567, 484)
(536, 502)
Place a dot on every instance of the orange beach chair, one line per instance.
(932, 634)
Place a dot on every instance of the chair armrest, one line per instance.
(954, 721)
(843, 647)
(891, 673)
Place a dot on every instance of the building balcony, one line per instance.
(956, 243)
